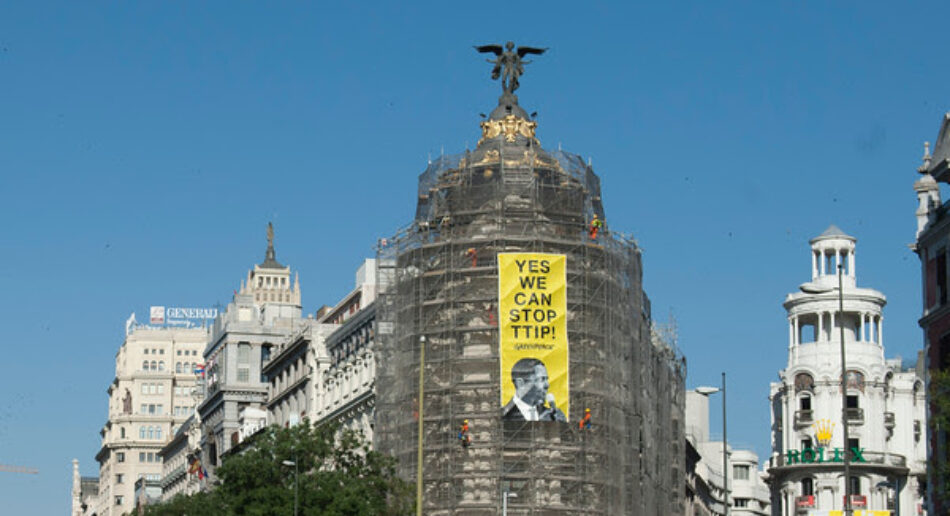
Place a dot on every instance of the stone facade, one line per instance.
(143, 398)
(264, 313)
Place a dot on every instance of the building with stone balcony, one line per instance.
(143, 398)
(264, 313)
(326, 370)
(885, 409)
(932, 244)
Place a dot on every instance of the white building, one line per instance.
(326, 370)
(885, 401)
(144, 410)
(748, 495)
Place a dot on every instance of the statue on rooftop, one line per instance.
(509, 63)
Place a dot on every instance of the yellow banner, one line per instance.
(532, 315)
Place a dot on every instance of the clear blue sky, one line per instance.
(145, 145)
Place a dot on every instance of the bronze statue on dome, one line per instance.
(509, 63)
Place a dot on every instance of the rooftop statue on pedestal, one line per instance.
(509, 65)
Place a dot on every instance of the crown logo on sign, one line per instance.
(824, 429)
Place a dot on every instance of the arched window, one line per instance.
(158, 432)
(141, 432)
(178, 367)
(161, 365)
(151, 432)
(804, 383)
(808, 486)
(154, 366)
(145, 365)
(122, 432)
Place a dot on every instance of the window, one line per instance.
(151, 432)
(178, 353)
(151, 409)
(740, 502)
(806, 443)
(855, 485)
(141, 456)
(916, 430)
(161, 388)
(120, 456)
(144, 409)
(243, 375)
(118, 500)
(144, 388)
(122, 434)
(161, 351)
(153, 366)
(804, 403)
(178, 367)
(145, 351)
(740, 472)
(161, 365)
(244, 353)
(158, 432)
(852, 401)
(145, 365)
(159, 409)
(141, 432)
(118, 478)
(808, 487)
(194, 352)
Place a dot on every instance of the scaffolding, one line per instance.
(509, 195)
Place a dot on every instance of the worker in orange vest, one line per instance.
(464, 438)
(584, 423)
(595, 226)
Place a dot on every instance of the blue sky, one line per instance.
(145, 146)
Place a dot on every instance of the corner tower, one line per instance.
(884, 398)
(445, 329)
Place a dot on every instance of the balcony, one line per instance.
(889, 420)
(803, 418)
(881, 461)
(855, 416)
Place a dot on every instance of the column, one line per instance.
(851, 264)
(864, 317)
(822, 260)
(814, 265)
(880, 330)
(831, 329)
(797, 335)
(837, 259)
(821, 326)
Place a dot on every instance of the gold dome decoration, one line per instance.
(511, 126)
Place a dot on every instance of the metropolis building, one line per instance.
(441, 331)
(885, 399)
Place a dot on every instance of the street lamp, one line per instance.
(296, 480)
(504, 501)
(707, 391)
(844, 386)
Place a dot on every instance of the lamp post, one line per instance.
(707, 391)
(844, 384)
(422, 367)
(844, 396)
(296, 479)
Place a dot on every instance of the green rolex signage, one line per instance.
(817, 456)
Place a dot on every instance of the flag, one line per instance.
(200, 369)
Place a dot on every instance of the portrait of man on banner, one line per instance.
(531, 401)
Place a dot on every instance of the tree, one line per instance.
(339, 476)
(940, 422)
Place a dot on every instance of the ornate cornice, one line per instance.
(510, 126)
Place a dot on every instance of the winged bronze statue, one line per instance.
(509, 63)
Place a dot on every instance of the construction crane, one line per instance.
(18, 469)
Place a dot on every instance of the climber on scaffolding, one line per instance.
(584, 423)
(464, 438)
(473, 254)
(595, 226)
